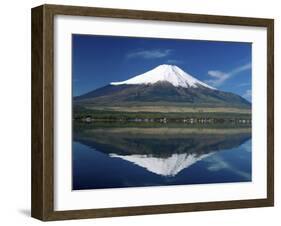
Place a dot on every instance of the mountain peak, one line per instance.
(170, 166)
(165, 73)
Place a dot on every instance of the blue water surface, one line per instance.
(98, 165)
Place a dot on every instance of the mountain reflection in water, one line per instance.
(130, 157)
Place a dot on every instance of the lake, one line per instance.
(117, 157)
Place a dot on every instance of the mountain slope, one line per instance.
(164, 85)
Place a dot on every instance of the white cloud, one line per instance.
(248, 94)
(150, 54)
(219, 77)
(217, 163)
(241, 68)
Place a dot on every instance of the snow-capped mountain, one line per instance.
(163, 151)
(165, 73)
(163, 85)
(170, 166)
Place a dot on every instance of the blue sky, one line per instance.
(99, 60)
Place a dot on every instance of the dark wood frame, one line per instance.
(42, 203)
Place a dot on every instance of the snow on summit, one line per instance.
(170, 166)
(165, 73)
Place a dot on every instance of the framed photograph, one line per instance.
(141, 112)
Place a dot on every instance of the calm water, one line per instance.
(132, 157)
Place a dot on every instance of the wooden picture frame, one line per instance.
(43, 112)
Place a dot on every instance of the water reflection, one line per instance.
(165, 152)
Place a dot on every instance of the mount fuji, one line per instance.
(163, 85)
(168, 167)
(163, 151)
(165, 73)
